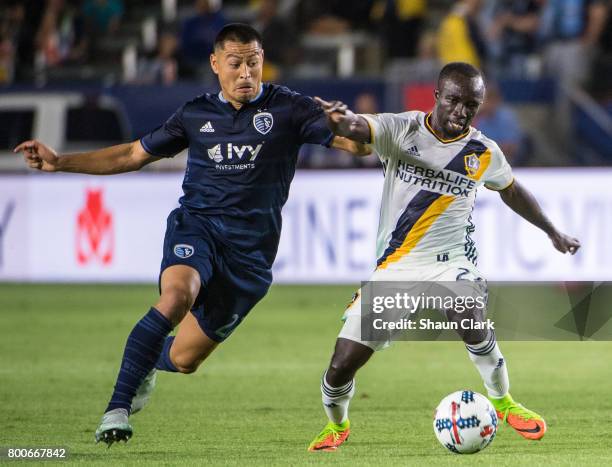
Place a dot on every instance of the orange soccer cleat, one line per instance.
(525, 422)
(332, 436)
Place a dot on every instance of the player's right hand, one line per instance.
(38, 156)
(339, 118)
(336, 111)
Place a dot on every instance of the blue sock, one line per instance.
(164, 363)
(142, 350)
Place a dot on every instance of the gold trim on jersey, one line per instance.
(420, 228)
(371, 128)
(428, 126)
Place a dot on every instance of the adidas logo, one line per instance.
(413, 151)
(207, 128)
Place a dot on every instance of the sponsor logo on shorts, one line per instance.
(183, 251)
(442, 257)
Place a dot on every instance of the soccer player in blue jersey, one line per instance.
(221, 242)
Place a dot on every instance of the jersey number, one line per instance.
(464, 272)
(226, 330)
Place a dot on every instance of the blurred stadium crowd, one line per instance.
(560, 49)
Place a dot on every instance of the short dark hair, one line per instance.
(237, 32)
(462, 69)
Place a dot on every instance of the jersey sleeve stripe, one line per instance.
(145, 146)
(500, 189)
(414, 224)
(459, 163)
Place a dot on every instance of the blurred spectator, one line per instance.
(10, 26)
(279, 41)
(427, 62)
(424, 68)
(7, 58)
(366, 103)
(315, 157)
(498, 121)
(513, 33)
(602, 88)
(162, 67)
(61, 36)
(198, 33)
(401, 23)
(329, 17)
(460, 38)
(571, 30)
(23, 29)
(103, 16)
(356, 13)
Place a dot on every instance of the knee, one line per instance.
(175, 302)
(348, 357)
(185, 365)
(340, 371)
(186, 370)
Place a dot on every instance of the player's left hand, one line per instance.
(565, 243)
(343, 122)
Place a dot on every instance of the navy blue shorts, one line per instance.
(230, 287)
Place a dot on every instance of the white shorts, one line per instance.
(458, 267)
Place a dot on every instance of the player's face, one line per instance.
(457, 103)
(238, 67)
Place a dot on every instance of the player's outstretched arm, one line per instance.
(111, 160)
(522, 201)
(348, 145)
(343, 122)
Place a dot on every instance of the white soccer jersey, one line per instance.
(430, 188)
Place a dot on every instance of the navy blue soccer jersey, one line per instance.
(241, 162)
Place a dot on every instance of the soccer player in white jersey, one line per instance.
(433, 165)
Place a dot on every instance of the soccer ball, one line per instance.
(465, 422)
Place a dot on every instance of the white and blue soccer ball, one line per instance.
(465, 422)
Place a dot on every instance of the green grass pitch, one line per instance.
(256, 401)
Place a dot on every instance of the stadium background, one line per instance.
(79, 77)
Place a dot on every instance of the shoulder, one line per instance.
(404, 121)
(486, 141)
(292, 104)
(411, 115)
(279, 90)
(285, 94)
(199, 102)
(282, 94)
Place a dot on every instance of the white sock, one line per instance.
(491, 365)
(336, 400)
